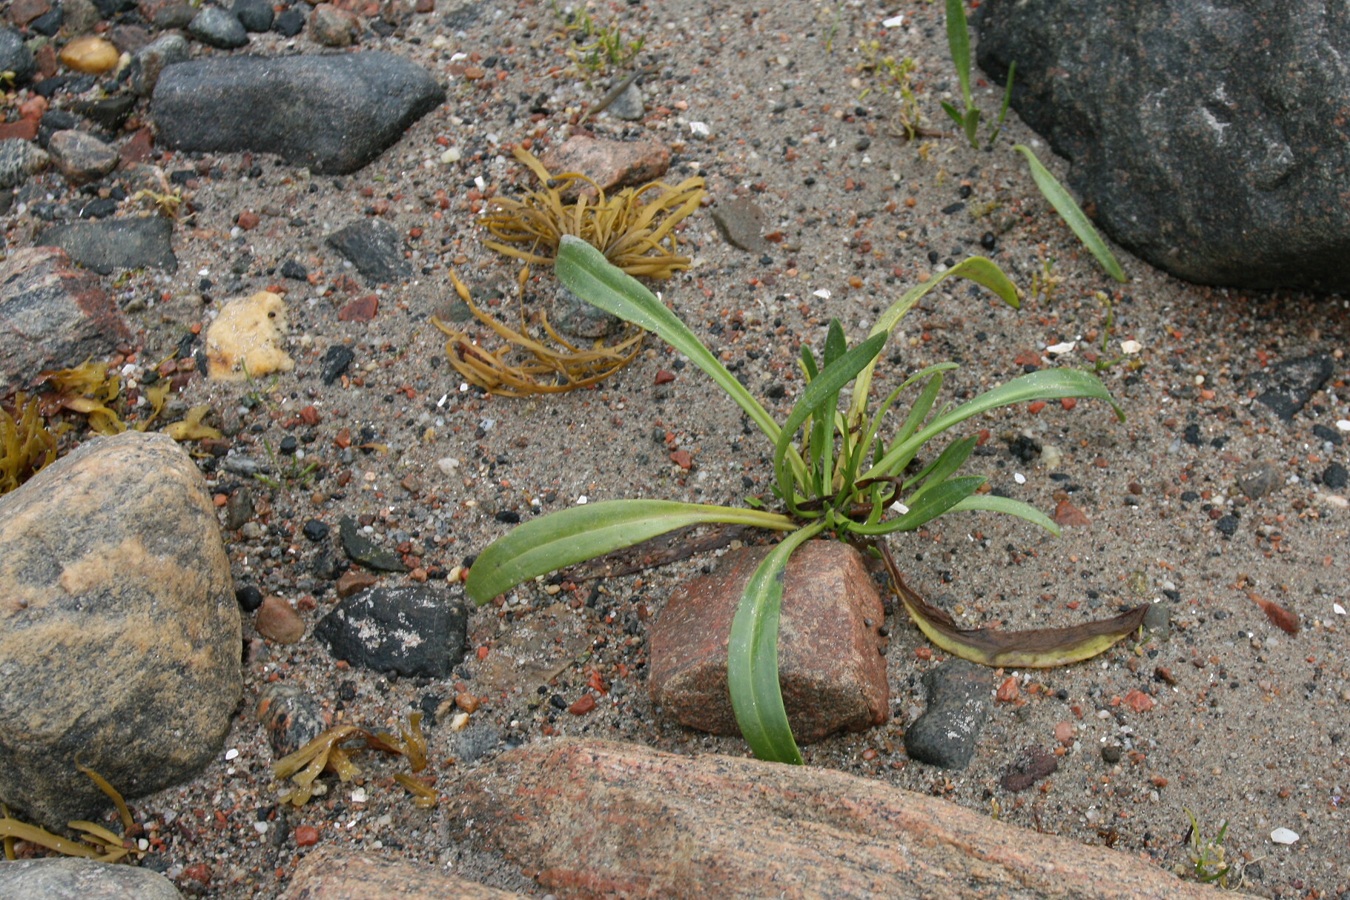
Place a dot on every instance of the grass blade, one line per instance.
(958, 41)
(1072, 214)
(752, 656)
(579, 533)
(926, 507)
(1008, 506)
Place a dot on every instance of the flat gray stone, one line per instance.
(332, 113)
(948, 731)
(116, 244)
(119, 631)
(375, 248)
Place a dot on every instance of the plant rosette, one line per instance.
(834, 476)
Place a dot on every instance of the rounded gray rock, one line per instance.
(1209, 138)
(119, 632)
(82, 879)
(219, 28)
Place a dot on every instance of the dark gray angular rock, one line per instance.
(412, 629)
(254, 15)
(119, 630)
(363, 551)
(16, 57)
(1209, 138)
(82, 879)
(116, 244)
(333, 114)
(1288, 386)
(376, 249)
(218, 28)
(52, 316)
(958, 707)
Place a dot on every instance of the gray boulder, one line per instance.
(119, 631)
(333, 114)
(1209, 137)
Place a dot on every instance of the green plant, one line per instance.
(292, 472)
(958, 40)
(895, 78)
(607, 47)
(1209, 863)
(840, 478)
(968, 118)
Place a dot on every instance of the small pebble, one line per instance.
(278, 621)
(1284, 836)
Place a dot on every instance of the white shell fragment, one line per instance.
(822, 294)
(1338, 609)
(1284, 836)
(894, 21)
(1061, 348)
(1130, 347)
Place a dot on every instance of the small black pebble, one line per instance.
(315, 530)
(988, 241)
(557, 702)
(953, 208)
(1111, 753)
(1227, 525)
(1335, 476)
(289, 444)
(509, 516)
(249, 598)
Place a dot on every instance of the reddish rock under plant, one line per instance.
(830, 663)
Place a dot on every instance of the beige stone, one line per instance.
(91, 55)
(119, 630)
(245, 340)
(597, 818)
(330, 874)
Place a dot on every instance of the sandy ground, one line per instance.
(1247, 724)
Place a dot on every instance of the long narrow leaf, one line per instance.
(1037, 648)
(952, 458)
(975, 268)
(586, 272)
(958, 40)
(1008, 506)
(1046, 384)
(752, 656)
(579, 533)
(1072, 214)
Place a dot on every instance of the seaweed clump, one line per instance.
(26, 444)
(331, 752)
(541, 368)
(634, 228)
(95, 842)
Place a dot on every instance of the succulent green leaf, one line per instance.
(958, 41)
(1046, 384)
(579, 533)
(974, 268)
(586, 272)
(818, 402)
(926, 507)
(1072, 214)
(1008, 506)
(752, 656)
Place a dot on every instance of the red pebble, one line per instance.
(247, 220)
(1008, 690)
(582, 706)
(682, 459)
(665, 376)
(362, 309)
(306, 835)
(1139, 701)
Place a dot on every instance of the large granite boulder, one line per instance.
(119, 632)
(1209, 137)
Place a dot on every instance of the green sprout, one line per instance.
(1209, 863)
(897, 79)
(968, 118)
(840, 478)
